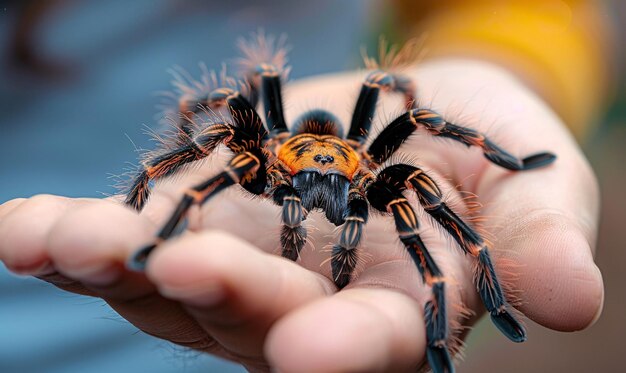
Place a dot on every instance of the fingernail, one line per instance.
(598, 312)
(45, 268)
(207, 295)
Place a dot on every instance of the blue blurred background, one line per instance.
(72, 114)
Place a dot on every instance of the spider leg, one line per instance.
(387, 197)
(366, 103)
(469, 240)
(293, 235)
(242, 168)
(271, 94)
(157, 165)
(345, 253)
(399, 130)
(192, 104)
(246, 133)
(264, 63)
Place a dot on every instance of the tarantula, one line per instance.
(314, 166)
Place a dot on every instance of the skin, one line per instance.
(221, 289)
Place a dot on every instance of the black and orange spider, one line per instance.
(315, 166)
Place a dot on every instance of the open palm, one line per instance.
(221, 288)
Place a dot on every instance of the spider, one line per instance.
(314, 165)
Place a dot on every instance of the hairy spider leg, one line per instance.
(190, 105)
(385, 196)
(263, 63)
(345, 254)
(271, 94)
(246, 133)
(242, 168)
(159, 164)
(365, 108)
(270, 91)
(187, 107)
(399, 130)
(247, 167)
(487, 284)
(293, 235)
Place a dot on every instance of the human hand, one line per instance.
(218, 288)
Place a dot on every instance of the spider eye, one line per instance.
(323, 159)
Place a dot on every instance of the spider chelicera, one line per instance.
(314, 166)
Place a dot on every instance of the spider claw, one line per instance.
(138, 260)
(509, 326)
(504, 160)
(439, 359)
(538, 160)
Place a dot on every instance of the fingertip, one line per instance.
(357, 330)
(561, 286)
(24, 229)
(329, 337)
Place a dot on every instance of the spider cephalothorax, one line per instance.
(314, 166)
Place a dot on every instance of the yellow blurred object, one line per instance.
(561, 48)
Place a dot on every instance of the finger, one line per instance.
(24, 230)
(546, 222)
(234, 290)
(357, 330)
(90, 244)
(8, 206)
(376, 323)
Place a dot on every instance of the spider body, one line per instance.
(325, 154)
(314, 166)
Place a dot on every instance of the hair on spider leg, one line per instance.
(393, 57)
(458, 328)
(260, 48)
(347, 259)
(508, 270)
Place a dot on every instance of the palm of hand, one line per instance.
(224, 295)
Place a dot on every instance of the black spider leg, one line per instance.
(345, 254)
(399, 130)
(242, 168)
(247, 167)
(246, 130)
(189, 105)
(293, 235)
(166, 163)
(385, 196)
(366, 103)
(469, 240)
(271, 94)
